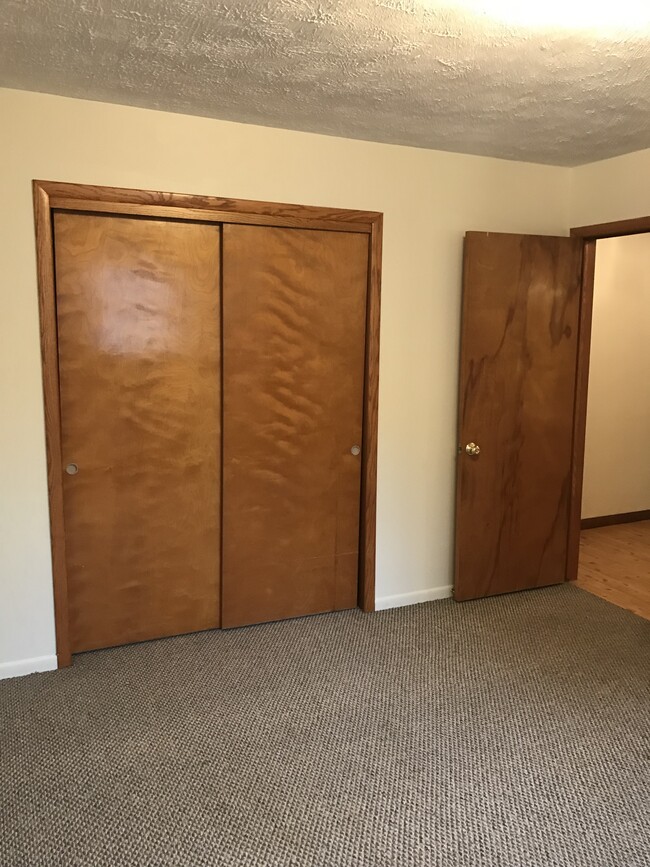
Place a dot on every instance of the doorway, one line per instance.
(524, 365)
(614, 560)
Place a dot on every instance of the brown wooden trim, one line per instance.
(370, 426)
(590, 235)
(636, 226)
(50, 195)
(297, 215)
(459, 413)
(50, 362)
(580, 407)
(610, 520)
(203, 215)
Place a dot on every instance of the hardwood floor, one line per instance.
(615, 565)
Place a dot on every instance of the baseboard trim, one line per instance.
(21, 667)
(414, 598)
(609, 520)
(27, 666)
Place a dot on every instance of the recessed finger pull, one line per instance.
(72, 469)
(355, 450)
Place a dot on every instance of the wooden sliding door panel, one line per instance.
(138, 312)
(517, 385)
(294, 318)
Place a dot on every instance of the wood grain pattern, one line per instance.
(139, 360)
(517, 383)
(610, 520)
(615, 565)
(297, 214)
(205, 215)
(294, 321)
(50, 362)
(45, 192)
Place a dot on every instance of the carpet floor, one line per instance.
(507, 732)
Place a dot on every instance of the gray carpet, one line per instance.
(506, 732)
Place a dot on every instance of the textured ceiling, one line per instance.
(417, 72)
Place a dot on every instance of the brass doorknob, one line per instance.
(472, 449)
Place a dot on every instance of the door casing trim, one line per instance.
(53, 195)
(589, 235)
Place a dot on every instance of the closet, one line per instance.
(212, 444)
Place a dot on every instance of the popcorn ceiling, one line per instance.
(413, 72)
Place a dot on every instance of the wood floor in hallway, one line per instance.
(615, 565)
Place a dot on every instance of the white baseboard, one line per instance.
(412, 598)
(27, 666)
(48, 663)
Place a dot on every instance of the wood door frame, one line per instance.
(82, 198)
(589, 235)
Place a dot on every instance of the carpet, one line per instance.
(506, 732)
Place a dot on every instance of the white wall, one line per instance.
(617, 466)
(429, 199)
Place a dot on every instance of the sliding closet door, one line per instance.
(294, 309)
(139, 353)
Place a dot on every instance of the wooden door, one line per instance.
(516, 401)
(138, 313)
(294, 312)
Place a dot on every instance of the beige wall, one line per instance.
(617, 466)
(429, 199)
(616, 189)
